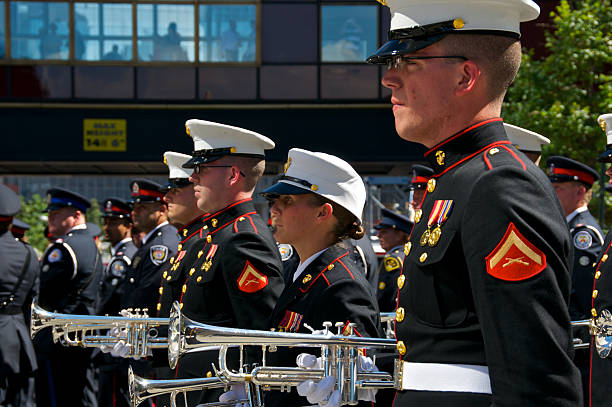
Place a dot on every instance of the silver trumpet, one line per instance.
(600, 328)
(339, 354)
(141, 389)
(139, 331)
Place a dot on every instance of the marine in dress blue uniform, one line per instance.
(482, 315)
(393, 231)
(526, 141)
(601, 296)
(18, 285)
(234, 276)
(70, 271)
(327, 285)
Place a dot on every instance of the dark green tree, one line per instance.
(94, 214)
(32, 214)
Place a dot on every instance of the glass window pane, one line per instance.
(39, 30)
(2, 52)
(348, 33)
(227, 33)
(289, 33)
(103, 32)
(166, 32)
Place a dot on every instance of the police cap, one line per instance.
(420, 175)
(394, 220)
(58, 198)
(563, 169)
(116, 208)
(9, 203)
(145, 190)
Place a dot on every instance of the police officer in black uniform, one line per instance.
(236, 278)
(420, 174)
(317, 203)
(19, 229)
(70, 272)
(482, 314)
(150, 214)
(392, 231)
(601, 367)
(18, 285)
(117, 231)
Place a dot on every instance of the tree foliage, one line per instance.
(562, 94)
(32, 214)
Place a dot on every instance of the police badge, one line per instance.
(158, 254)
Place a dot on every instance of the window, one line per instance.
(228, 33)
(166, 32)
(103, 31)
(2, 51)
(348, 33)
(39, 30)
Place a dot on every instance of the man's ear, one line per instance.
(469, 75)
(234, 176)
(325, 212)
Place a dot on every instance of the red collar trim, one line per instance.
(461, 133)
(497, 143)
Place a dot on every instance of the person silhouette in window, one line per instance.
(50, 43)
(230, 43)
(112, 55)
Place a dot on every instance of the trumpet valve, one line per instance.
(339, 325)
(326, 326)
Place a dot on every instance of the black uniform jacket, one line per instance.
(587, 238)
(601, 369)
(140, 288)
(389, 270)
(114, 274)
(16, 350)
(331, 288)
(235, 280)
(71, 269)
(493, 287)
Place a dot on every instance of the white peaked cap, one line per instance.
(525, 140)
(322, 174)
(605, 122)
(214, 140)
(175, 162)
(489, 15)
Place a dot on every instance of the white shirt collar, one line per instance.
(144, 240)
(77, 227)
(302, 266)
(115, 247)
(576, 212)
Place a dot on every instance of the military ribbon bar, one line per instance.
(435, 213)
(447, 205)
(290, 322)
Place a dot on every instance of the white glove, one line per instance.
(237, 392)
(323, 393)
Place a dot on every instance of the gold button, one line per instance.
(381, 285)
(165, 274)
(181, 305)
(180, 246)
(595, 292)
(233, 150)
(184, 287)
(184, 232)
(431, 185)
(158, 306)
(205, 227)
(209, 374)
(604, 258)
(399, 314)
(407, 248)
(594, 265)
(594, 312)
(200, 253)
(214, 222)
(306, 279)
(423, 257)
(240, 219)
(597, 275)
(494, 151)
(330, 267)
(209, 238)
(191, 272)
(168, 278)
(401, 348)
(171, 260)
(458, 23)
(417, 215)
(400, 281)
(199, 279)
(161, 290)
(314, 187)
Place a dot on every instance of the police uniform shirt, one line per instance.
(70, 272)
(140, 287)
(486, 277)
(601, 299)
(389, 270)
(587, 238)
(331, 288)
(16, 350)
(114, 273)
(234, 282)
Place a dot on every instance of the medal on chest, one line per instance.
(209, 256)
(439, 214)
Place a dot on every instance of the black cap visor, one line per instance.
(404, 46)
(175, 183)
(284, 188)
(606, 156)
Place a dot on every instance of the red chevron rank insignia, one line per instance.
(251, 280)
(515, 258)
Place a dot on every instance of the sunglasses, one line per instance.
(399, 62)
(198, 169)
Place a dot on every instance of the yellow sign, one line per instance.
(104, 135)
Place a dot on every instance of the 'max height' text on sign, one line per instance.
(104, 135)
